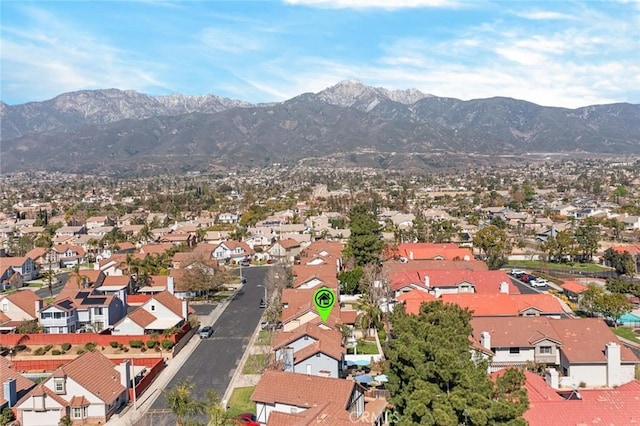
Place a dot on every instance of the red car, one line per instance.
(248, 419)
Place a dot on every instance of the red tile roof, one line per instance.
(6, 372)
(502, 304)
(326, 273)
(25, 300)
(413, 299)
(96, 373)
(322, 248)
(391, 266)
(327, 413)
(584, 340)
(573, 287)
(514, 331)
(170, 302)
(288, 243)
(610, 407)
(483, 281)
(432, 251)
(284, 338)
(302, 390)
(328, 347)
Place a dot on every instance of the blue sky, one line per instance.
(557, 53)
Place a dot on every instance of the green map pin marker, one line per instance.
(324, 299)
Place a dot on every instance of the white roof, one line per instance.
(111, 287)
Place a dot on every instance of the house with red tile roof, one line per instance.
(90, 390)
(551, 407)
(585, 350)
(433, 251)
(298, 309)
(39, 255)
(412, 300)
(160, 312)
(573, 290)
(154, 249)
(25, 266)
(17, 307)
(283, 392)
(285, 250)
(68, 255)
(391, 266)
(232, 251)
(439, 282)
(17, 384)
(508, 305)
(322, 251)
(310, 349)
(315, 276)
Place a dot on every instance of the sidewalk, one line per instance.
(136, 411)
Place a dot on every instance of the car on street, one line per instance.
(525, 278)
(206, 332)
(516, 272)
(539, 282)
(263, 304)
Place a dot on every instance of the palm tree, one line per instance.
(181, 402)
(369, 316)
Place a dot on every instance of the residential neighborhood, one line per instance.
(118, 288)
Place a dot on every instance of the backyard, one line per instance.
(364, 348)
(626, 333)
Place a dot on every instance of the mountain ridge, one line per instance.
(111, 129)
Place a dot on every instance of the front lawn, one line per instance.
(626, 333)
(239, 401)
(255, 364)
(364, 348)
(265, 337)
(565, 267)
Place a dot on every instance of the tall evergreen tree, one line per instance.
(365, 242)
(434, 380)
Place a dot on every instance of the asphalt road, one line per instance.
(524, 288)
(213, 362)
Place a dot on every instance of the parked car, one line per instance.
(539, 282)
(525, 278)
(516, 272)
(263, 304)
(206, 332)
(247, 419)
(245, 263)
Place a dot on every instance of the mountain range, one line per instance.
(127, 132)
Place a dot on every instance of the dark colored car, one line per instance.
(247, 419)
(263, 304)
(526, 278)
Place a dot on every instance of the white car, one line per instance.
(539, 282)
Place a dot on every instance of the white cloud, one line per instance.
(379, 4)
(224, 40)
(544, 15)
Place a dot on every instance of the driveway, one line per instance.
(213, 362)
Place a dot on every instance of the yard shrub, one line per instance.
(90, 346)
(56, 352)
(114, 344)
(65, 346)
(135, 343)
(39, 351)
(151, 343)
(167, 344)
(80, 351)
(20, 348)
(47, 348)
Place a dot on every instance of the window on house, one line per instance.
(59, 386)
(545, 350)
(79, 412)
(153, 308)
(98, 311)
(514, 350)
(5, 306)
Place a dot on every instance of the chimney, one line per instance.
(287, 364)
(410, 255)
(10, 392)
(170, 287)
(38, 307)
(614, 370)
(504, 287)
(552, 378)
(485, 340)
(185, 309)
(125, 373)
(427, 281)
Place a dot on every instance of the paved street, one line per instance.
(213, 362)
